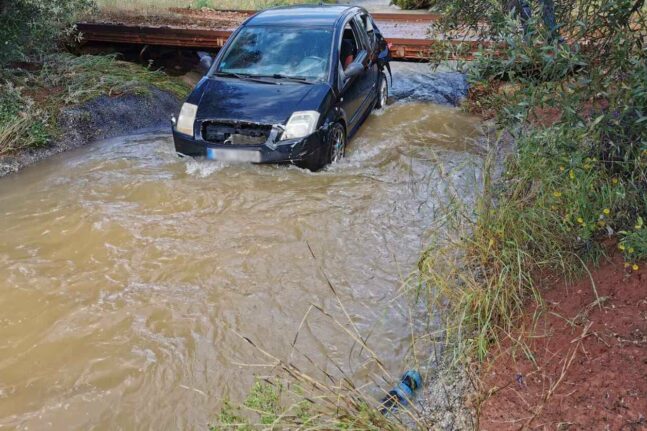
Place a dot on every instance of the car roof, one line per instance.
(303, 15)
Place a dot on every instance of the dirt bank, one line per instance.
(589, 359)
(101, 118)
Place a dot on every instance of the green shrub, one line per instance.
(33, 27)
(413, 4)
(579, 175)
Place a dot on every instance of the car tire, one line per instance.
(382, 91)
(336, 143)
(332, 152)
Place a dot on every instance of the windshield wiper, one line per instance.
(300, 79)
(246, 77)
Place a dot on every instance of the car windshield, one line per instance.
(280, 52)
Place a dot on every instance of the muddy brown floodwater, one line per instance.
(128, 275)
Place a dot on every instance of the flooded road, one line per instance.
(128, 275)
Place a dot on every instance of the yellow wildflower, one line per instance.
(635, 267)
(580, 220)
(557, 194)
(621, 247)
(630, 250)
(614, 180)
(606, 211)
(571, 174)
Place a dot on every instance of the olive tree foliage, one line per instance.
(578, 20)
(547, 39)
(31, 28)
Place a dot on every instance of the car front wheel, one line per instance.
(382, 91)
(337, 143)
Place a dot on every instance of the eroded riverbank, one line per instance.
(99, 118)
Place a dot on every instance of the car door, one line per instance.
(367, 34)
(354, 90)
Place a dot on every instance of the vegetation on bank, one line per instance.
(32, 94)
(413, 4)
(574, 101)
(38, 79)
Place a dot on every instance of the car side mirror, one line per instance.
(357, 66)
(354, 69)
(206, 61)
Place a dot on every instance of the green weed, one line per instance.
(85, 77)
(30, 101)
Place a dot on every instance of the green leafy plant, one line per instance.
(413, 4)
(33, 27)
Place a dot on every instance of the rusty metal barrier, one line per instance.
(203, 38)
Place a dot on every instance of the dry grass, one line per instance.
(157, 6)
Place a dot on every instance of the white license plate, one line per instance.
(233, 155)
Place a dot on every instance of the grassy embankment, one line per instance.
(38, 78)
(32, 94)
(576, 184)
(577, 112)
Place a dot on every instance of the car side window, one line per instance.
(350, 46)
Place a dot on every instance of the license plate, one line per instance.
(233, 155)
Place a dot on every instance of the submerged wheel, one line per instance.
(382, 91)
(333, 150)
(337, 142)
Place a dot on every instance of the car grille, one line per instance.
(235, 133)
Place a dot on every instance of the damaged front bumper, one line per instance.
(272, 151)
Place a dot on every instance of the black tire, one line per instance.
(382, 91)
(336, 143)
(319, 160)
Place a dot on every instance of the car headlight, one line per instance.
(186, 119)
(301, 124)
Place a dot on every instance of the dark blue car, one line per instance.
(290, 86)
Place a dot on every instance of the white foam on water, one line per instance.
(204, 168)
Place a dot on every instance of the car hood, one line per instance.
(243, 100)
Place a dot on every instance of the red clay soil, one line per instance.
(590, 360)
